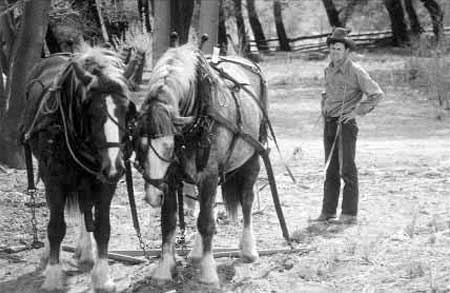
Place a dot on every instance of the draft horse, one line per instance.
(195, 125)
(75, 123)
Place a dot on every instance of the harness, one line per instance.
(198, 136)
(51, 103)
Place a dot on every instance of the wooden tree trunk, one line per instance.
(242, 34)
(332, 13)
(161, 36)
(416, 28)
(281, 32)
(257, 29)
(8, 34)
(398, 25)
(180, 19)
(105, 35)
(26, 52)
(348, 11)
(222, 34)
(209, 23)
(437, 16)
(195, 21)
(144, 15)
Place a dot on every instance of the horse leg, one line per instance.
(85, 251)
(249, 174)
(56, 230)
(100, 273)
(167, 263)
(206, 227)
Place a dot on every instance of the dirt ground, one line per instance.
(400, 244)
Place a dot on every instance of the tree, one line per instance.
(332, 13)
(209, 23)
(415, 26)
(281, 32)
(398, 24)
(242, 33)
(222, 33)
(180, 18)
(347, 11)
(437, 16)
(161, 23)
(26, 52)
(258, 32)
(144, 14)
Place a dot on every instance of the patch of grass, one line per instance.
(429, 70)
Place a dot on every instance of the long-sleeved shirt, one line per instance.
(345, 85)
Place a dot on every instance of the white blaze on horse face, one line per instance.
(156, 165)
(112, 134)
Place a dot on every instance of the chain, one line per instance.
(142, 244)
(181, 238)
(181, 241)
(36, 243)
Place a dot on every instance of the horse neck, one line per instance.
(72, 103)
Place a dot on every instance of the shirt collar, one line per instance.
(341, 67)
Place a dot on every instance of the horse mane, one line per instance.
(106, 65)
(172, 87)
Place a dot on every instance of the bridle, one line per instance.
(159, 183)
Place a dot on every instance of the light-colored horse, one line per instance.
(191, 126)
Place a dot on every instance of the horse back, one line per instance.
(250, 94)
(243, 102)
(40, 80)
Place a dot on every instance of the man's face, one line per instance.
(338, 52)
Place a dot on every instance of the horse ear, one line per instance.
(183, 121)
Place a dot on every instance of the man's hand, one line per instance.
(349, 116)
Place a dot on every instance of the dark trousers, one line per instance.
(332, 186)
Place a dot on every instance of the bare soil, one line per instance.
(400, 244)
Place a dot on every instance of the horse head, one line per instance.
(105, 106)
(155, 146)
(165, 111)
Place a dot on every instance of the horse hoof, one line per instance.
(162, 277)
(85, 265)
(53, 278)
(209, 278)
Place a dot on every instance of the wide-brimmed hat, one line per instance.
(340, 34)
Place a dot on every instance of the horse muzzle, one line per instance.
(113, 171)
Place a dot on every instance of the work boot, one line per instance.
(324, 218)
(347, 220)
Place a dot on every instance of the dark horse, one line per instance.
(193, 124)
(75, 123)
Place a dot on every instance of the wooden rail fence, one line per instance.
(315, 43)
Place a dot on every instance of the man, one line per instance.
(342, 102)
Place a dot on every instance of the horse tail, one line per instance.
(264, 106)
(231, 195)
(73, 209)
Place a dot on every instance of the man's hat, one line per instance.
(340, 34)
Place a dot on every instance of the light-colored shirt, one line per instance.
(345, 85)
